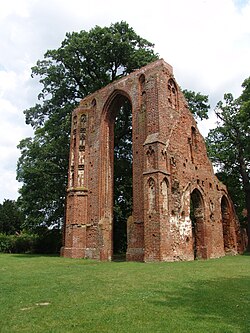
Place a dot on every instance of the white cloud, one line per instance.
(206, 42)
(18, 8)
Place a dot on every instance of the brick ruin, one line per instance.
(170, 170)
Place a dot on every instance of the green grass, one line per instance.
(51, 294)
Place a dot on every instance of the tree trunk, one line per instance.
(248, 218)
(246, 188)
(247, 200)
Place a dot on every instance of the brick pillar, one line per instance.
(156, 199)
(77, 193)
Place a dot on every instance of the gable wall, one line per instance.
(169, 163)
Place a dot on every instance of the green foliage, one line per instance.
(123, 191)
(42, 168)
(85, 62)
(197, 104)
(43, 241)
(235, 188)
(22, 243)
(50, 294)
(6, 243)
(11, 217)
(229, 148)
(48, 241)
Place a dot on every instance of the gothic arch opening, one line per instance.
(228, 238)
(119, 148)
(198, 226)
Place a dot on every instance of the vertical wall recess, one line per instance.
(164, 192)
(82, 145)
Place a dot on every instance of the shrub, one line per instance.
(24, 243)
(48, 241)
(6, 243)
(44, 241)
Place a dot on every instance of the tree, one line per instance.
(197, 104)
(85, 62)
(229, 147)
(11, 218)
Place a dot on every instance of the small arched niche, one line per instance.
(193, 137)
(151, 195)
(142, 93)
(172, 94)
(165, 193)
(93, 103)
(142, 83)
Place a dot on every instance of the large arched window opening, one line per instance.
(119, 119)
(198, 228)
(228, 237)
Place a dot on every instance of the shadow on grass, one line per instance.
(33, 256)
(224, 301)
(119, 257)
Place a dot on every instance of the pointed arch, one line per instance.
(151, 195)
(165, 194)
(172, 94)
(229, 236)
(117, 102)
(197, 216)
(142, 81)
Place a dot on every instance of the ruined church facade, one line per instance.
(181, 211)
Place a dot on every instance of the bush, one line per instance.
(48, 241)
(22, 243)
(44, 241)
(6, 243)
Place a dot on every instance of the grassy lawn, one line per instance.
(52, 294)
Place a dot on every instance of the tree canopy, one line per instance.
(11, 217)
(197, 104)
(85, 62)
(229, 149)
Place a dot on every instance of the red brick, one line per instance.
(170, 165)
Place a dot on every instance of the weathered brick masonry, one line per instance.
(170, 169)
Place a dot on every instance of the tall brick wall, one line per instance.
(170, 169)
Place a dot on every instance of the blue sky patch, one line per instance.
(241, 3)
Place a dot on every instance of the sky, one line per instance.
(206, 41)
